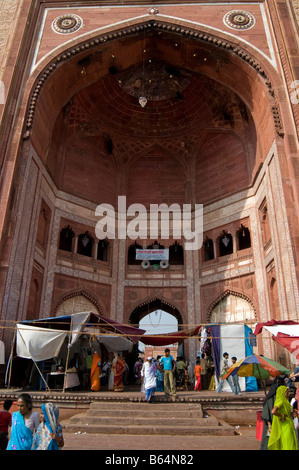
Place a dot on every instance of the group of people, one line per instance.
(30, 430)
(89, 372)
(158, 374)
(280, 417)
(96, 372)
(113, 372)
(165, 374)
(232, 380)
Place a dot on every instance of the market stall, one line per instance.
(44, 339)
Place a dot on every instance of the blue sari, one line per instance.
(42, 439)
(21, 436)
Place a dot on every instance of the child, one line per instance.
(197, 373)
(237, 390)
(5, 422)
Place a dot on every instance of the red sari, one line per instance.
(119, 367)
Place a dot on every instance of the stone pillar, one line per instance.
(75, 244)
(95, 245)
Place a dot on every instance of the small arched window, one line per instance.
(208, 248)
(132, 254)
(66, 239)
(103, 248)
(85, 242)
(225, 244)
(176, 254)
(243, 237)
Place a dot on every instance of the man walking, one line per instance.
(167, 365)
(148, 374)
(223, 370)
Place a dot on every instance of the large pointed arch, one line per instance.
(258, 73)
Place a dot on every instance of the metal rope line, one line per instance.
(163, 335)
(134, 325)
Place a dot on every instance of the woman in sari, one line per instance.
(119, 367)
(268, 406)
(95, 373)
(282, 435)
(111, 375)
(49, 433)
(137, 370)
(24, 423)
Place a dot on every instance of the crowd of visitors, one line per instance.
(30, 430)
(169, 375)
(90, 372)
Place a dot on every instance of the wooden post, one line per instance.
(11, 356)
(67, 360)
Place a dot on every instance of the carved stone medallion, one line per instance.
(67, 24)
(239, 19)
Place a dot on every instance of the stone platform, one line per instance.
(84, 409)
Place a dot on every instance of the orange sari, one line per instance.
(119, 367)
(95, 373)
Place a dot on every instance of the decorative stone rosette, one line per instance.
(239, 19)
(67, 24)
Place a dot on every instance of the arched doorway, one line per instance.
(157, 317)
(157, 322)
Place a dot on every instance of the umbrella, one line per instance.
(256, 366)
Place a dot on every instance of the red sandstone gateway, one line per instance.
(219, 127)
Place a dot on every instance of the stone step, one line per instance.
(87, 420)
(153, 409)
(141, 418)
(142, 405)
(150, 411)
(220, 430)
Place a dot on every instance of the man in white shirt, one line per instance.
(148, 374)
(223, 370)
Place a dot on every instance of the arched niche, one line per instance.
(232, 308)
(75, 303)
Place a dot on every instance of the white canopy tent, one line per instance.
(40, 343)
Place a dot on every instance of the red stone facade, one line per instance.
(220, 128)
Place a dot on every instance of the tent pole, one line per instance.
(263, 385)
(42, 376)
(67, 360)
(11, 356)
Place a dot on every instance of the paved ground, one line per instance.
(244, 441)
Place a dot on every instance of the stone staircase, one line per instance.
(141, 418)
